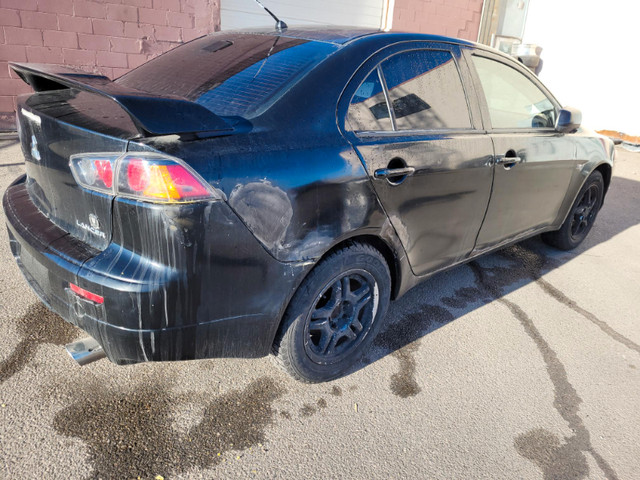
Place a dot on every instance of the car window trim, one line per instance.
(385, 90)
(482, 98)
(410, 133)
(524, 130)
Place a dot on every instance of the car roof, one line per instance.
(341, 35)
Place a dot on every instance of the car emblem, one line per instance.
(93, 221)
(35, 153)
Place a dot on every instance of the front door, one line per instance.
(429, 166)
(534, 163)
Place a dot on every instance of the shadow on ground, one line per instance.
(490, 279)
(460, 291)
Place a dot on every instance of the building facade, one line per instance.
(111, 37)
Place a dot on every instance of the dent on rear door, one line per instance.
(436, 212)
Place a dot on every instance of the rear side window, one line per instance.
(514, 101)
(425, 91)
(369, 109)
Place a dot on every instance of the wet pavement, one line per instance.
(522, 364)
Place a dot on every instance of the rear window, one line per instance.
(229, 74)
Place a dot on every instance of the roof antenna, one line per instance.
(280, 25)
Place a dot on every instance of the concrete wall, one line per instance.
(590, 58)
(453, 18)
(110, 37)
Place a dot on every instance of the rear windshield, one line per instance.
(229, 74)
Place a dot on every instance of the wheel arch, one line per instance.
(606, 171)
(378, 243)
(385, 250)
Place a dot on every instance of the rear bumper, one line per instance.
(151, 311)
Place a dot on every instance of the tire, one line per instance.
(581, 217)
(334, 315)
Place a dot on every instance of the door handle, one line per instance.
(504, 160)
(394, 172)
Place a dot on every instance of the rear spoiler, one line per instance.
(152, 114)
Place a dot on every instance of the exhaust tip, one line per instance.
(85, 351)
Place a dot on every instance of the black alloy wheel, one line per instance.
(341, 317)
(335, 314)
(583, 214)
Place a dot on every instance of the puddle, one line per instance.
(36, 327)
(130, 434)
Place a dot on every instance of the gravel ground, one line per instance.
(524, 364)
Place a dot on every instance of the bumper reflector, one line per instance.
(81, 292)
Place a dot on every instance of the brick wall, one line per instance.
(453, 18)
(106, 36)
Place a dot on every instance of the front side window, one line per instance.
(425, 91)
(514, 101)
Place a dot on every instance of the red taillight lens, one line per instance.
(137, 176)
(94, 170)
(81, 292)
(145, 176)
(105, 172)
(160, 179)
(187, 185)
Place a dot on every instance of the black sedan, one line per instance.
(257, 192)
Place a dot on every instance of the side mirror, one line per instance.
(569, 120)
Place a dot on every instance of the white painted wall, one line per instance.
(359, 13)
(591, 57)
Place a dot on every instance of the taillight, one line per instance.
(94, 170)
(105, 172)
(159, 180)
(142, 176)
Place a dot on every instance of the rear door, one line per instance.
(534, 163)
(430, 162)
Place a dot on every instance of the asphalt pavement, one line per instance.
(524, 364)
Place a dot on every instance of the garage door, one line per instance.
(359, 13)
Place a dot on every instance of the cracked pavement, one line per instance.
(522, 364)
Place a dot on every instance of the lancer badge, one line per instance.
(93, 221)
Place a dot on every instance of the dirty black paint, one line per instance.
(130, 434)
(401, 338)
(557, 460)
(37, 326)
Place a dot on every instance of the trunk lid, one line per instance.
(47, 143)
(73, 112)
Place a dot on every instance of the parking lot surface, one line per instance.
(523, 364)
